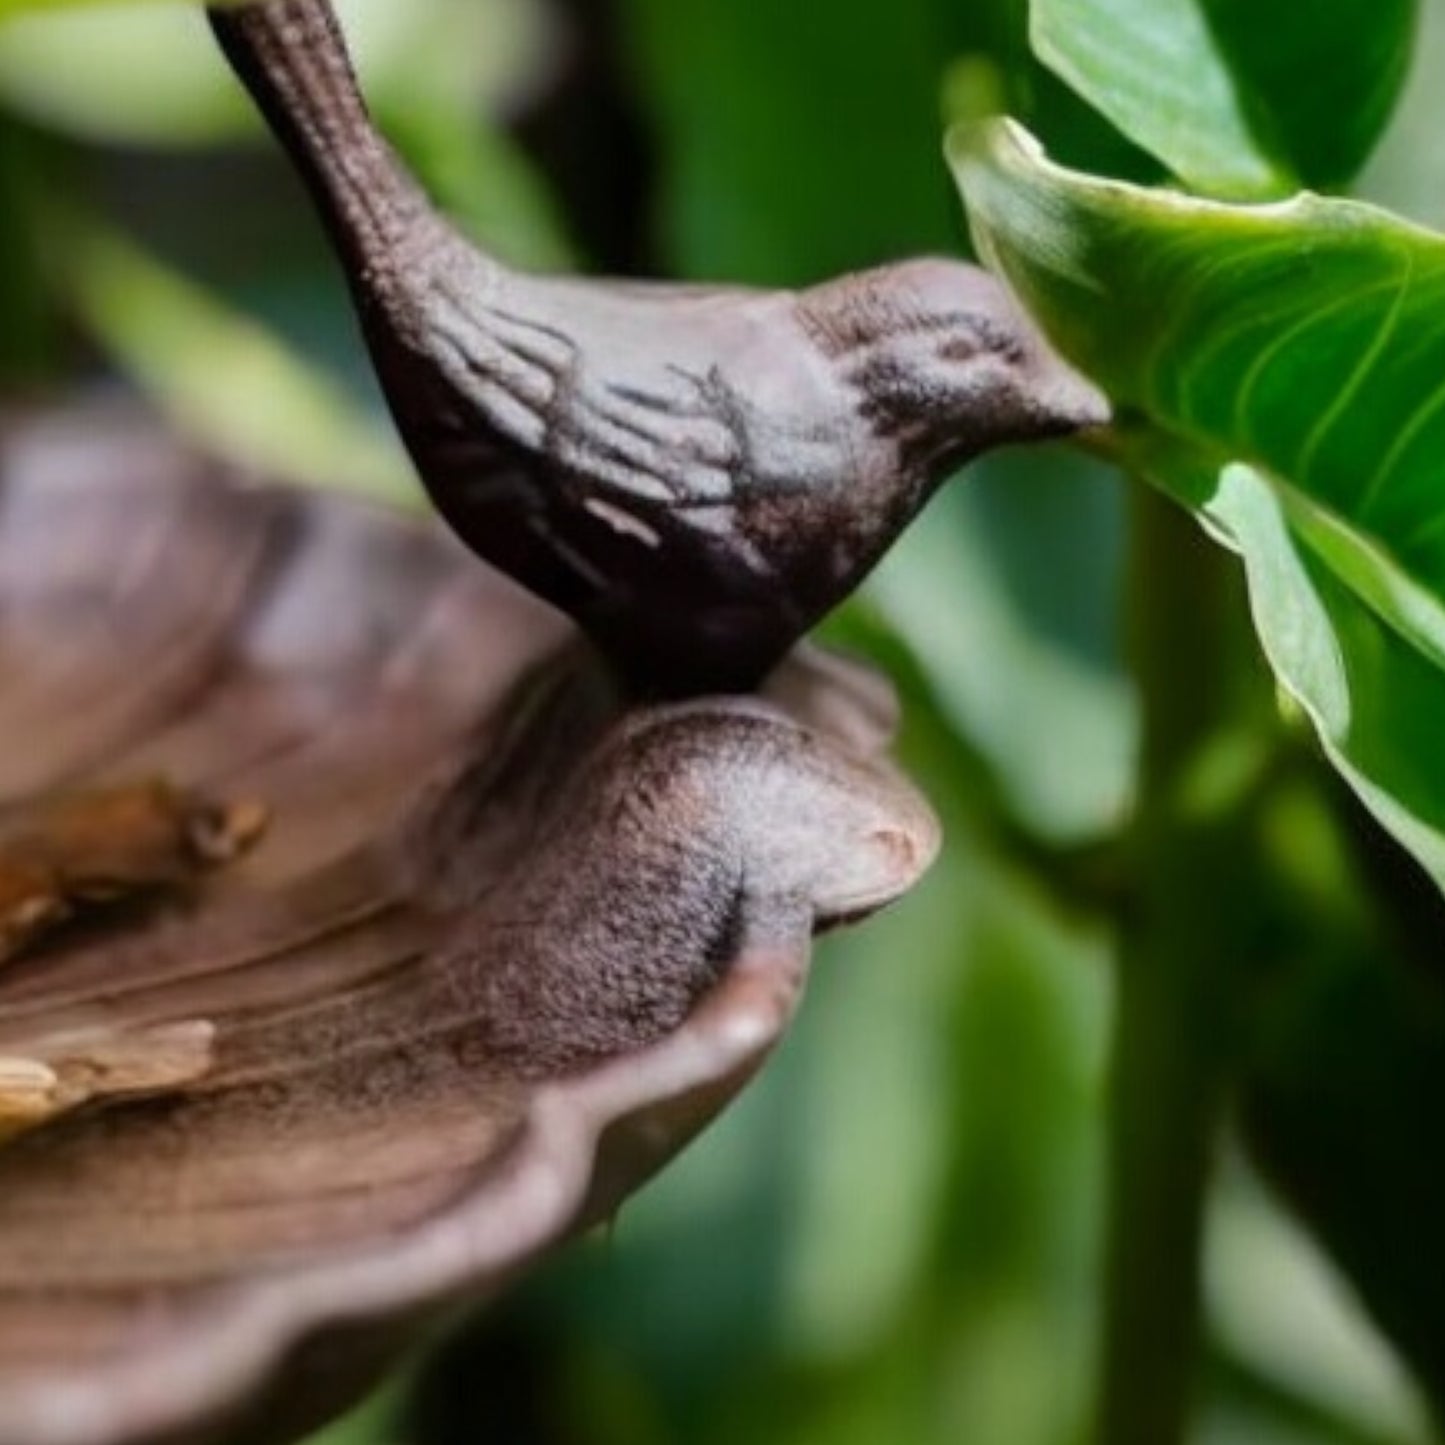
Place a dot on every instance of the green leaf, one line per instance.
(480, 177)
(224, 377)
(1377, 703)
(1238, 100)
(995, 70)
(133, 74)
(1303, 339)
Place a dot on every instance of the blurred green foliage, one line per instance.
(898, 1234)
(1305, 430)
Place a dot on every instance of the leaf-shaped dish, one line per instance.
(505, 948)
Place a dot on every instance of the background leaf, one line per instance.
(197, 357)
(1406, 172)
(1236, 100)
(763, 179)
(1346, 1065)
(1377, 703)
(1026, 550)
(1283, 1311)
(150, 75)
(29, 333)
(1343, 1105)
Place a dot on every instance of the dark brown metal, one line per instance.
(695, 474)
(504, 948)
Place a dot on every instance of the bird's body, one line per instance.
(695, 474)
(690, 473)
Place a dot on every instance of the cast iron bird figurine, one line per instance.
(695, 474)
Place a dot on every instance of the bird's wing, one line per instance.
(606, 407)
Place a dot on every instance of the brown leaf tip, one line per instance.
(111, 845)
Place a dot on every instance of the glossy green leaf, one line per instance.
(1305, 340)
(1377, 702)
(1237, 99)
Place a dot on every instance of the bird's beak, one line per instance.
(1067, 396)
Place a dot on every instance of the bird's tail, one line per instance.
(291, 56)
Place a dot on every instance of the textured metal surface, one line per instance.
(504, 947)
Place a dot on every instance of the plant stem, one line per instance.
(1171, 1029)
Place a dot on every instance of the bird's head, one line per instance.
(945, 361)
